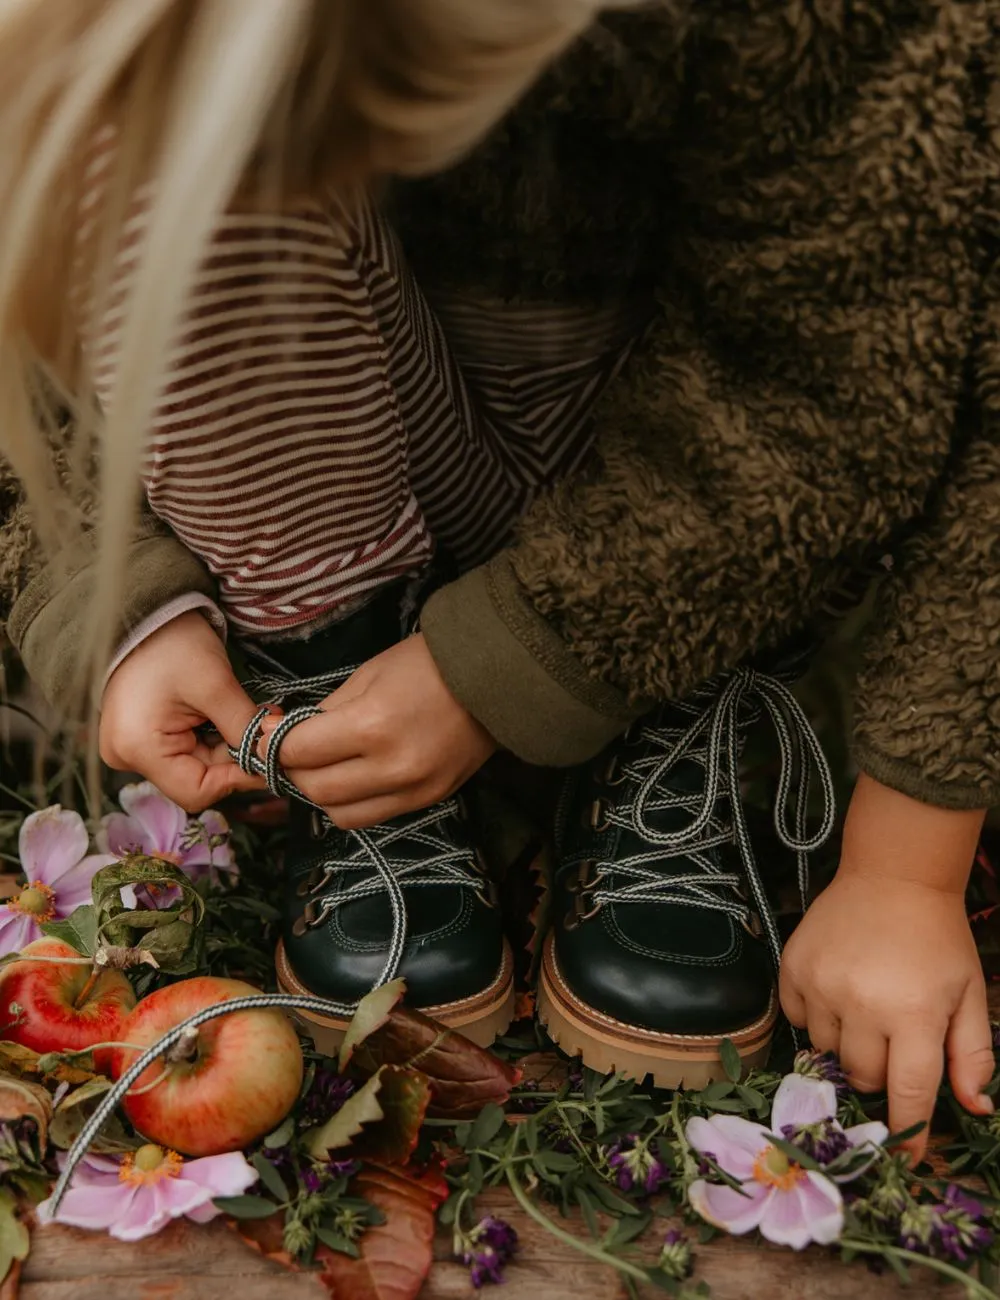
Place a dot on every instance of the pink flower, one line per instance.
(154, 825)
(790, 1205)
(138, 1194)
(53, 851)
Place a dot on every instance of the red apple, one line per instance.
(55, 1006)
(234, 1082)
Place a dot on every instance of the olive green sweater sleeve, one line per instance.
(44, 604)
(793, 407)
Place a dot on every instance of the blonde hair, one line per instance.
(207, 98)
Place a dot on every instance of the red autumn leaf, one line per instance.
(463, 1077)
(396, 1255)
(404, 1097)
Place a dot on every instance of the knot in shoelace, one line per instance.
(709, 736)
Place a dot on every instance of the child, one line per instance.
(794, 212)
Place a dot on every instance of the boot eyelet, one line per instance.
(753, 926)
(596, 817)
(583, 881)
(313, 914)
(633, 735)
(489, 894)
(316, 879)
(584, 909)
(614, 774)
(317, 828)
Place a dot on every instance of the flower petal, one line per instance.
(161, 821)
(800, 1101)
(120, 835)
(16, 931)
(73, 889)
(226, 1175)
(94, 1205)
(873, 1134)
(50, 843)
(812, 1210)
(727, 1208)
(734, 1143)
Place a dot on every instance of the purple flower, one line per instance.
(343, 1168)
(955, 1228)
(138, 1194)
(790, 1205)
(675, 1257)
(635, 1167)
(821, 1065)
(327, 1093)
(53, 851)
(312, 1180)
(487, 1250)
(825, 1141)
(155, 826)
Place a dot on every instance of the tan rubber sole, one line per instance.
(482, 1018)
(607, 1045)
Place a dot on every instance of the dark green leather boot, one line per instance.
(663, 941)
(411, 898)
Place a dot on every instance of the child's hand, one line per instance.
(391, 740)
(176, 680)
(883, 969)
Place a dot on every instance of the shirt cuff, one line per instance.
(161, 617)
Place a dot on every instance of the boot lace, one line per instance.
(707, 730)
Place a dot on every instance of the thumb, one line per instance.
(226, 704)
(970, 1049)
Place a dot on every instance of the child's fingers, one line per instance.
(195, 781)
(327, 739)
(864, 1054)
(792, 1002)
(916, 1064)
(970, 1049)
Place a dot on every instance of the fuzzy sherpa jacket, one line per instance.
(809, 193)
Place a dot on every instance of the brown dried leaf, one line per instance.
(463, 1077)
(396, 1255)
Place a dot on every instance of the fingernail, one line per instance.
(985, 1103)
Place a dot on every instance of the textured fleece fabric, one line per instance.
(810, 196)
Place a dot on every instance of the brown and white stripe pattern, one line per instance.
(323, 427)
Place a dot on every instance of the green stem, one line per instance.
(972, 1287)
(567, 1238)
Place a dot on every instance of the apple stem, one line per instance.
(87, 989)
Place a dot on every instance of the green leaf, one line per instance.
(556, 1162)
(244, 1207)
(627, 1229)
(79, 930)
(487, 1125)
(716, 1092)
(731, 1062)
(895, 1138)
(270, 1177)
(373, 1011)
(587, 1208)
(361, 1109)
(14, 1239)
(612, 1202)
(338, 1242)
(281, 1136)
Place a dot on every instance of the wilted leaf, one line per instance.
(171, 935)
(73, 1112)
(373, 1011)
(78, 930)
(395, 1256)
(463, 1077)
(21, 1061)
(20, 1099)
(361, 1109)
(404, 1096)
(14, 1239)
